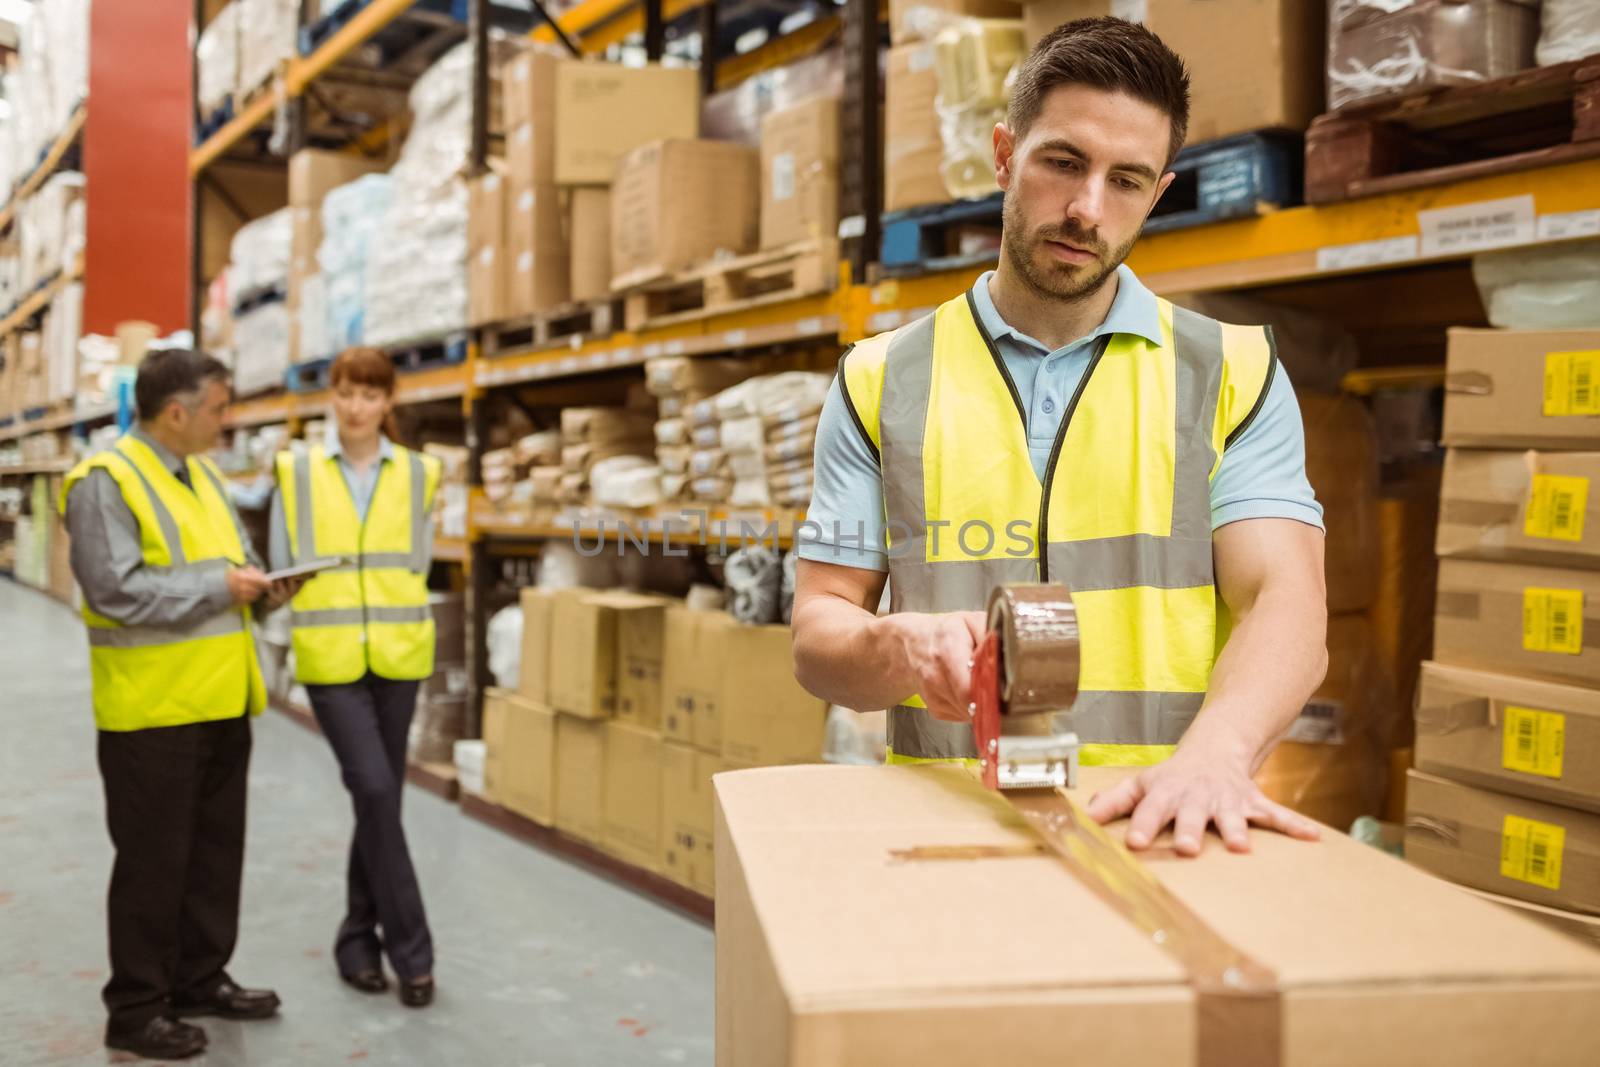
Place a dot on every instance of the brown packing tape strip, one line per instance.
(1238, 1000)
(1469, 383)
(1478, 512)
(1455, 712)
(1038, 628)
(1458, 605)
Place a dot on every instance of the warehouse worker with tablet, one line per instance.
(169, 580)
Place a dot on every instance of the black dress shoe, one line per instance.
(371, 981)
(161, 1039)
(417, 993)
(230, 1002)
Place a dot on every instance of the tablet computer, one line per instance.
(306, 570)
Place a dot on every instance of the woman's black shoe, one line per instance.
(417, 993)
(366, 981)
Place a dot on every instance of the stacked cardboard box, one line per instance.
(800, 173)
(1506, 795)
(679, 203)
(626, 705)
(536, 254)
(1380, 49)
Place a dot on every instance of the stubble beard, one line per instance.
(1049, 279)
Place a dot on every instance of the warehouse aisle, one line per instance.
(539, 963)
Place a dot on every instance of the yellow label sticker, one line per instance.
(1570, 385)
(1530, 851)
(1534, 741)
(1555, 507)
(1552, 620)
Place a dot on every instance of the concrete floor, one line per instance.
(539, 962)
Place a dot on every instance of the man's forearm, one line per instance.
(1274, 660)
(847, 655)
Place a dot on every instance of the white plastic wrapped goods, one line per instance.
(268, 35)
(791, 395)
(353, 217)
(670, 432)
(504, 642)
(62, 326)
(750, 492)
(261, 347)
(625, 482)
(416, 283)
(216, 60)
(1568, 30)
(315, 342)
(49, 80)
(259, 254)
(51, 225)
(743, 434)
(972, 59)
(562, 566)
(1541, 288)
(754, 576)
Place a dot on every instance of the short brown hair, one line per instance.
(1103, 53)
(363, 366)
(167, 374)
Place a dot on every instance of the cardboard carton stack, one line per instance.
(626, 705)
(1380, 49)
(1506, 795)
(1333, 765)
(680, 203)
(800, 173)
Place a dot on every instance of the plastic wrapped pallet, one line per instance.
(972, 58)
(353, 217)
(416, 284)
(49, 80)
(268, 36)
(261, 347)
(1541, 288)
(1382, 48)
(311, 319)
(62, 326)
(259, 254)
(216, 60)
(1568, 30)
(51, 225)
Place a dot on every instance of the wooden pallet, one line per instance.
(1531, 119)
(569, 325)
(731, 285)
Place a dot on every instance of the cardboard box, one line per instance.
(912, 148)
(767, 718)
(312, 173)
(488, 250)
(529, 85)
(1508, 845)
(1536, 621)
(494, 741)
(676, 204)
(580, 778)
(583, 653)
(1528, 507)
(1283, 87)
(886, 972)
(538, 250)
(1513, 735)
(920, 20)
(687, 820)
(640, 649)
(694, 649)
(1522, 388)
(527, 772)
(589, 236)
(1585, 928)
(632, 831)
(533, 672)
(800, 173)
(605, 110)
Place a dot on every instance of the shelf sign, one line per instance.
(1459, 231)
(1566, 225)
(1368, 253)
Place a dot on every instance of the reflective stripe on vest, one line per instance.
(154, 676)
(1123, 512)
(372, 613)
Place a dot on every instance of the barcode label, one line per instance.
(1534, 741)
(1556, 507)
(1320, 722)
(1569, 383)
(1552, 620)
(1530, 851)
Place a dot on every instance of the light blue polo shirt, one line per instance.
(1262, 474)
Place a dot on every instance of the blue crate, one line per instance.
(307, 376)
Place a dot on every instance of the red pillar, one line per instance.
(136, 164)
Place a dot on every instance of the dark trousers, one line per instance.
(366, 722)
(175, 806)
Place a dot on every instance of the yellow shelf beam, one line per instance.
(256, 113)
(47, 166)
(38, 301)
(411, 387)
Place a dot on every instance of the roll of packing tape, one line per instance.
(1038, 628)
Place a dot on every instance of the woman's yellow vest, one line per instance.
(152, 676)
(372, 612)
(1123, 517)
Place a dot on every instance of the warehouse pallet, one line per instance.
(308, 376)
(437, 778)
(571, 325)
(429, 353)
(260, 296)
(1531, 119)
(653, 298)
(646, 883)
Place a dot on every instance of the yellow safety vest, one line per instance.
(151, 676)
(372, 613)
(1123, 516)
